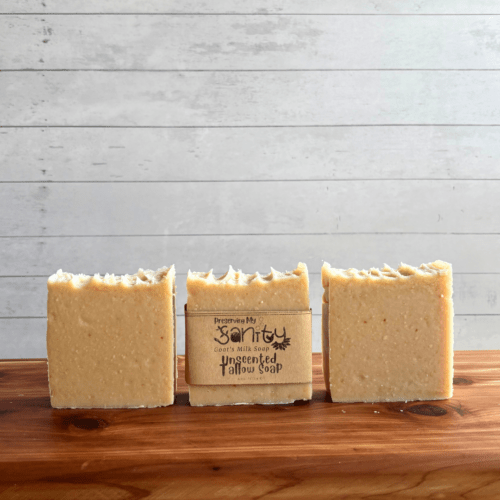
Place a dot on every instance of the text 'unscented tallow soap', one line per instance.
(248, 338)
(111, 340)
(388, 333)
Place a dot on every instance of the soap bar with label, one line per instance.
(111, 340)
(388, 334)
(240, 293)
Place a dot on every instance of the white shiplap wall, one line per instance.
(145, 133)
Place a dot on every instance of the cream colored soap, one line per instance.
(388, 334)
(111, 340)
(236, 291)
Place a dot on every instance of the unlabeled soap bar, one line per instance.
(111, 340)
(235, 291)
(388, 334)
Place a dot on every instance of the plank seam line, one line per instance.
(218, 235)
(221, 181)
(239, 70)
(310, 14)
(259, 126)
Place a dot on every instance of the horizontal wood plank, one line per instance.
(249, 42)
(86, 154)
(294, 98)
(43, 256)
(472, 294)
(264, 7)
(237, 483)
(312, 450)
(256, 208)
(476, 332)
(23, 338)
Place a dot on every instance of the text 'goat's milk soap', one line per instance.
(248, 338)
(388, 334)
(111, 340)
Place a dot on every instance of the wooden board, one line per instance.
(44, 255)
(380, 99)
(249, 98)
(259, 42)
(249, 208)
(438, 449)
(261, 7)
(248, 154)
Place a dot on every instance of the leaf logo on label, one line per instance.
(281, 345)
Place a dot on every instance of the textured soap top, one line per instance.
(386, 275)
(233, 277)
(142, 277)
(403, 271)
(236, 290)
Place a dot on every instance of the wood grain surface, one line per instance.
(139, 133)
(43, 255)
(262, 7)
(294, 201)
(249, 98)
(440, 449)
(113, 155)
(182, 42)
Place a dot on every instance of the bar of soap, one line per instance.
(236, 291)
(111, 339)
(388, 333)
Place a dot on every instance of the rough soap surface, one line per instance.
(388, 333)
(111, 339)
(238, 291)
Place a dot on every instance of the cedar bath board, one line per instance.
(315, 449)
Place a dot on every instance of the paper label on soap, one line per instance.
(248, 347)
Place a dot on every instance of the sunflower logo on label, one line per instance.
(283, 344)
